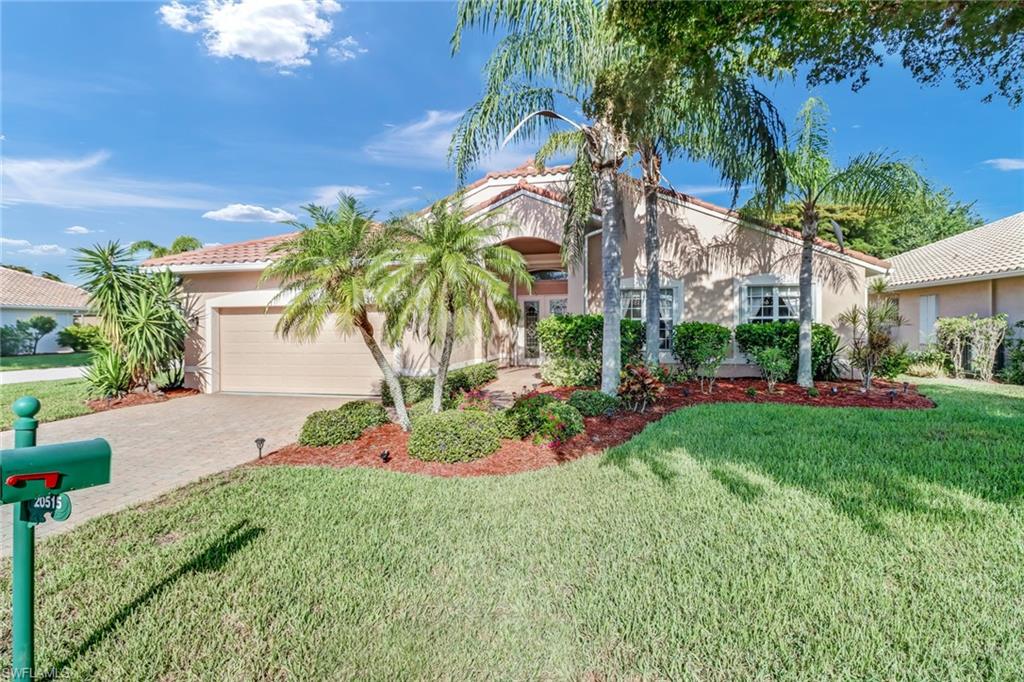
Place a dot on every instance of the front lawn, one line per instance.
(61, 399)
(729, 541)
(9, 363)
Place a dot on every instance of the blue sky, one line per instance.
(133, 120)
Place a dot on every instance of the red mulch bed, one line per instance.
(132, 399)
(517, 456)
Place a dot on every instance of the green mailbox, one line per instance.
(33, 472)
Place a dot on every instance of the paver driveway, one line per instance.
(162, 446)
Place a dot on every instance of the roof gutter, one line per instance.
(955, 280)
(202, 268)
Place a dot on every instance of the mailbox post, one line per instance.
(36, 479)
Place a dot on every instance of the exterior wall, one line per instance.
(983, 298)
(47, 344)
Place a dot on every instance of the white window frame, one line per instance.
(741, 315)
(676, 286)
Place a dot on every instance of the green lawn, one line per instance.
(726, 542)
(10, 363)
(60, 399)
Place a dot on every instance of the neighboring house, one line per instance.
(715, 267)
(23, 296)
(980, 271)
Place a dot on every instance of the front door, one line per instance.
(531, 347)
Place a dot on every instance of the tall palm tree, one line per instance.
(554, 52)
(325, 271)
(875, 183)
(181, 244)
(444, 273)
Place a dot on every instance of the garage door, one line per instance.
(253, 359)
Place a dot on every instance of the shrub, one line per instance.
(36, 327)
(524, 418)
(751, 392)
(560, 422)
(1013, 372)
(593, 403)
(580, 336)
(13, 340)
(872, 343)
(80, 337)
(108, 375)
(327, 428)
(813, 392)
(930, 362)
(639, 388)
(582, 371)
(987, 335)
(825, 345)
(894, 363)
(454, 436)
(475, 400)
(775, 365)
(954, 335)
(458, 381)
(694, 342)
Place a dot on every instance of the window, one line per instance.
(558, 306)
(633, 309)
(549, 275)
(772, 302)
(928, 310)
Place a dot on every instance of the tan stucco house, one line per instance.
(715, 267)
(980, 271)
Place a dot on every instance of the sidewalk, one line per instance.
(22, 376)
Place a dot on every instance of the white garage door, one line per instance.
(253, 359)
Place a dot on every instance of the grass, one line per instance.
(725, 542)
(10, 363)
(61, 398)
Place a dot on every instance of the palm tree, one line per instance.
(444, 273)
(875, 183)
(181, 244)
(555, 51)
(325, 270)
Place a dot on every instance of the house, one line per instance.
(980, 271)
(715, 267)
(23, 296)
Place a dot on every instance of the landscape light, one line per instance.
(892, 395)
(260, 442)
(906, 385)
(385, 456)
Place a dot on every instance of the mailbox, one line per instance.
(28, 473)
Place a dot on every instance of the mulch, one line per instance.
(601, 432)
(133, 399)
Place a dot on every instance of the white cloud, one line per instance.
(27, 247)
(279, 32)
(1006, 164)
(78, 229)
(247, 213)
(80, 183)
(346, 49)
(417, 187)
(424, 144)
(327, 195)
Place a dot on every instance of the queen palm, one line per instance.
(181, 244)
(875, 183)
(554, 52)
(445, 273)
(324, 271)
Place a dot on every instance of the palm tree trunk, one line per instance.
(611, 270)
(652, 316)
(390, 378)
(805, 371)
(446, 356)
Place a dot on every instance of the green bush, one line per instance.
(929, 362)
(639, 388)
(80, 337)
(775, 365)
(894, 363)
(825, 345)
(694, 342)
(454, 436)
(593, 403)
(458, 381)
(583, 371)
(524, 418)
(14, 340)
(326, 428)
(560, 422)
(1013, 372)
(580, 336)
(108, 375)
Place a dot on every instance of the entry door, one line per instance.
(531, 316)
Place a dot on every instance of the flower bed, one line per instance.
(601, 433)
(132, 399)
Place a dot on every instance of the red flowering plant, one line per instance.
(475, 400)
(639, 388)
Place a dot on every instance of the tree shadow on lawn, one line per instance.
(213, 558)
(867, 463)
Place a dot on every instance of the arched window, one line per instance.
(549, 275)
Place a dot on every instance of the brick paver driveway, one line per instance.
(163, 446)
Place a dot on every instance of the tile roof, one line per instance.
(252, 251)
(257, 250)
(991, 249)
(18, 289)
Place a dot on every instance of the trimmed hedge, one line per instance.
(326, 428)
(753, 337)
(559, 422)
(458, 381)
(454, 436)
(571, 371)
(593, 403)
(524, 417)
(580, 336)
(695, 343)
